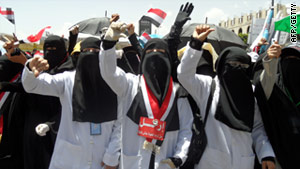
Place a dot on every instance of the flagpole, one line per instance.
(15, 28)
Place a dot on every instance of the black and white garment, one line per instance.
(76, 146)
(229, 143)
(156, 77)
(278, 96)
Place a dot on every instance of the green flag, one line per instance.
(288, 23)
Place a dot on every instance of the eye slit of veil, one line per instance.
(155, 50)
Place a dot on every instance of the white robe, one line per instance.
(175, 144)
(227, 148)
(74, 147)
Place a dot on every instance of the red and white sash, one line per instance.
(154, 112)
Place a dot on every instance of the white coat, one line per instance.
(175, 144)
(227, 148)
(74, 147)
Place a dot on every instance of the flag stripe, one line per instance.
(155, 17)
(7, 12)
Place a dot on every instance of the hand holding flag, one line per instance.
(274, 51)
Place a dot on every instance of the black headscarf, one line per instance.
(205, 64)
(236, 102)
(93, 100)
(289, 69)
(280, 115)
(59, 55)
(156, 67)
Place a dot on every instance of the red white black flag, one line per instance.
(8, 13)
(156, 16)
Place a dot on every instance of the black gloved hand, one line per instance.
(183, 14)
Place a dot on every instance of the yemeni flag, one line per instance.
(156, 16)
(144, 38)
(8, 13)
(289, 24)
(33, 38)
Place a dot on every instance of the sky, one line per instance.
(33, 15)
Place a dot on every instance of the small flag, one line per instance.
(34, 38)
(156, 16)
(144, 38)
(9, 14)
(286, 24)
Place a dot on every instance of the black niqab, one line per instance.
(279, 112)
(57, 56)
(236, 102)
(289, 68)
(93, 100)
(156, 67)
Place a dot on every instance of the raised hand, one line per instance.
(202, 31)
(184, 14)
(274, 51)
(115, 31)
(13, 53)
(130, 28)
(38, 64)
(114, 17)
(74, 30)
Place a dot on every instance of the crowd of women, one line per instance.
(93, 106)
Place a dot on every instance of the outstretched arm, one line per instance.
(133, 40)
(44, 84)
(174, 36)
(196, 85)
(116, 78)
(268, 75)
(73, 38)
